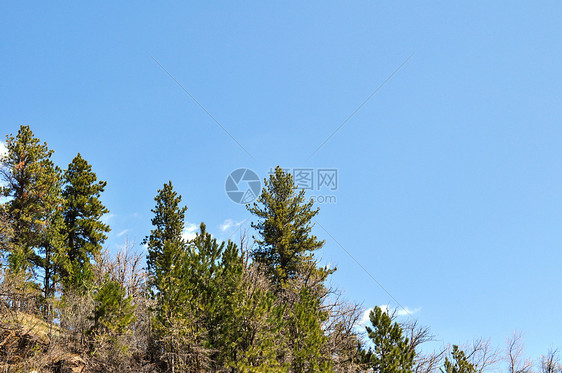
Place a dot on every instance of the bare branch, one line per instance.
(515, 355)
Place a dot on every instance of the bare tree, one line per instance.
(424, 362)
(341, 329)
(416, 333)
(429, 362)
(515, 355)
(482, 354)
(550, 363)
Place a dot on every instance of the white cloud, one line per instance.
(189, 231)
(3, 149)
(229, 223)
(123, 232)
(106, 218)
(386, 309)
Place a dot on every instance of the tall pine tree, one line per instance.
(285, 243)
(166, 246)
(285, 249)
(167, 252)
(85, 232)
(32, 187)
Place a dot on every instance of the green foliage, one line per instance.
(85, 232)
(213, 273)
(166, 252)
(459, 364)
(114, 309)
(174, 326)
(32, 188)
(242, 321)
(205, 306)
(284, 226)
(285, 249)
(258, 330)
(391, 352)
(308, 338)
(33, 209)
(165, 244)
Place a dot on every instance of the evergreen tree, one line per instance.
(258, 330)
(392, 352)
(34, 205)
(172, 324)
(284, 226)
(460, 363)
(113, 309)
(165, 243)
(240, 322)
(212, 275)
(286, 251)
(85, 232)
(308, 338)
(113, 317)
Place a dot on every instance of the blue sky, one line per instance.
(449, 176)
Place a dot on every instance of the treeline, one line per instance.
(199, 305)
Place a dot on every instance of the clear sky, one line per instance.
(449, 177)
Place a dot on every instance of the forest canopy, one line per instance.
(190, 305)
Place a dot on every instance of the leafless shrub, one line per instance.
(26, 340)
(127, 351)
(182, 349)
(18, 293)
(75, 312)
(341, 329)
(429, 362)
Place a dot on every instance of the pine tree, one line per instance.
(286, 249)
(34, 206)
(85, 232)
(113, 317)
(460, 363)
(239, 322)
(308, 338)
(167, 250)
(165, 243)
(257, 330)
(284, 226)
(212, 275)
(113, 309)
(392, 352)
